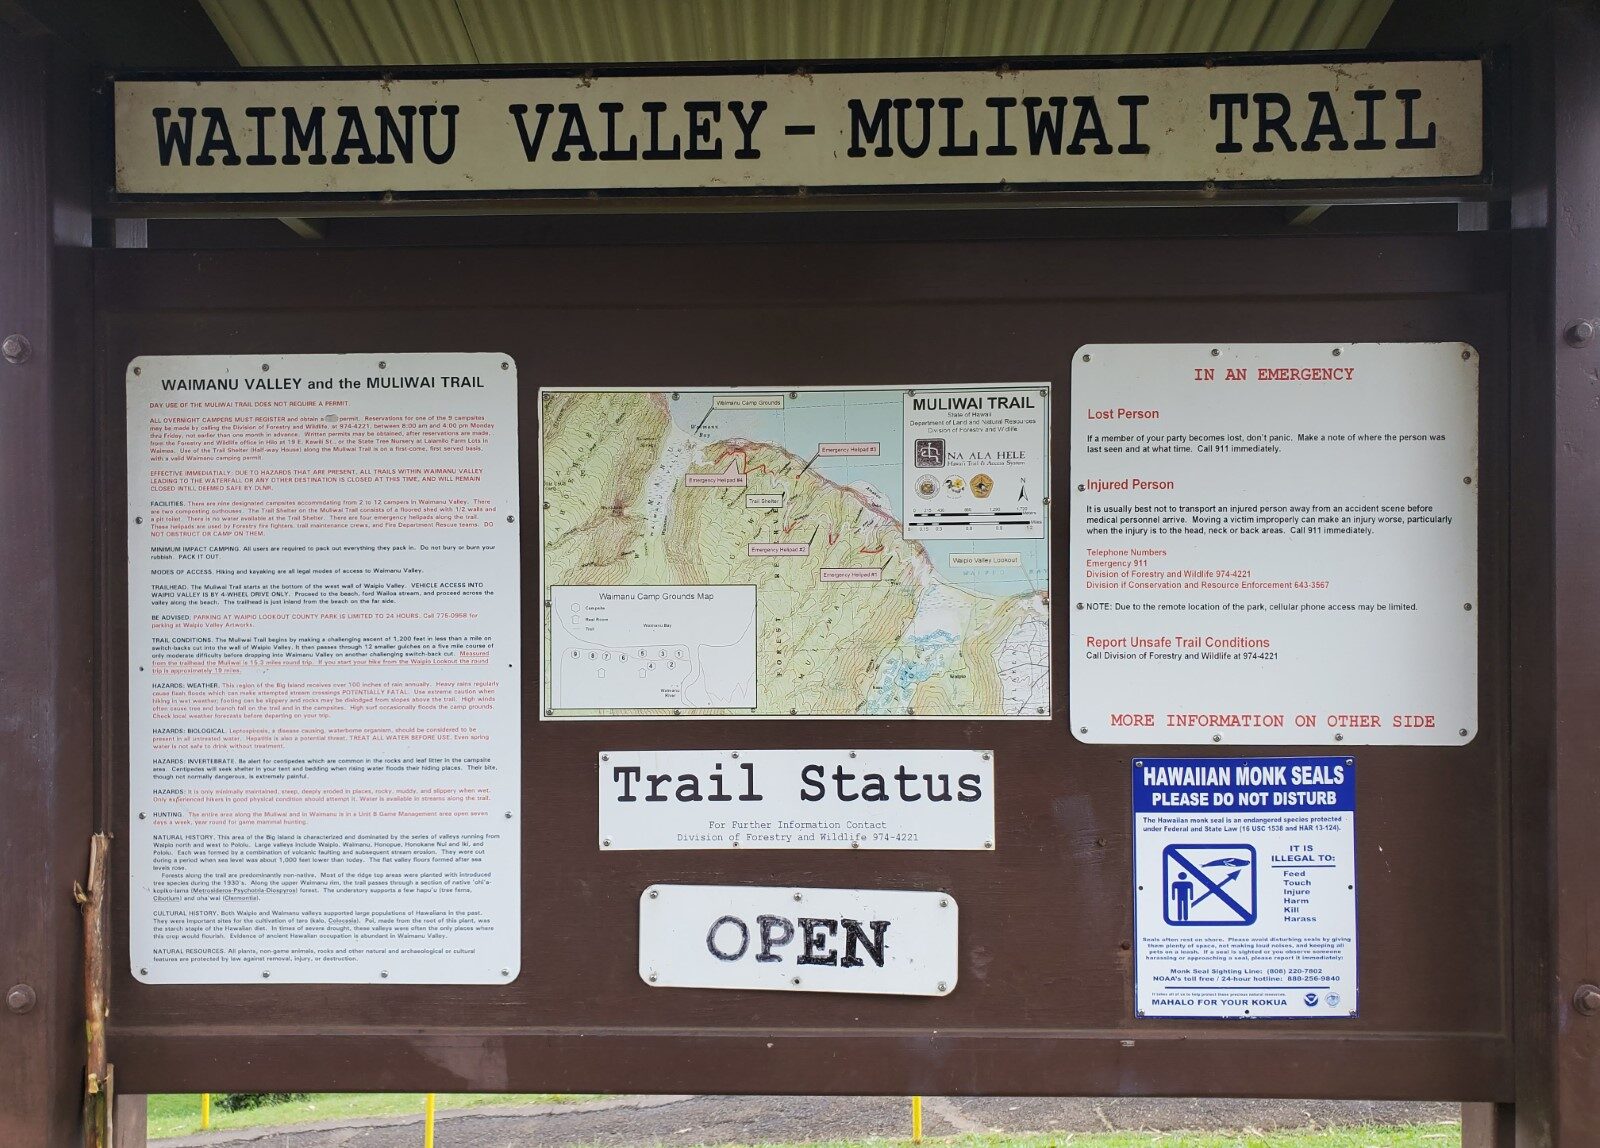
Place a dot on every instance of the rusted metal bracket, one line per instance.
(91, 898)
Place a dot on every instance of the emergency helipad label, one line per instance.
(1244, 887)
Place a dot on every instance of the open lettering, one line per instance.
(835, 941)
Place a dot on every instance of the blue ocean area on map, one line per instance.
(809, 418)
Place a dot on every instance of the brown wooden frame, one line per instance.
(1045, 999)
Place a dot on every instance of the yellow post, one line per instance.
(427, 1123)
(916, 1120)
(205, 1112)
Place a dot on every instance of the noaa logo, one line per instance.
(1311, 998)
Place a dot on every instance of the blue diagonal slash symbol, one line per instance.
(1211, 888)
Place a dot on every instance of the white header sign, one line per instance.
(797, 799)
(1275, 543)
(898, 942)
(1041, 126)
(324, 668)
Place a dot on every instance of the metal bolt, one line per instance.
(605, 757)
(21, 998)
(988, 844)
(654, 894)
(943, 987)
(1462, 732)
(144, 972)
(1083, 729)
(505, 972)
(505, 366)
(1215, 352)
(16, 349)
(1216, 737)
(138, 520)
(382, 365)
(266, 366)
(985, 757)
(797, 896)
(1336, 352)
(141, 817)
(1586, 1000)
(508, 815)
(1338, 737)
(944, 902)
(1086, 358)
(852, 753)
(652, 978)
(137, 372)
(385, 973)
(1467, 480)
(794, 980)
(1466, 606)
(606, 843)
(735, 844)
(264, 976)
(855, 845)
(1466, 355)
(1579, 334)
(511, 518)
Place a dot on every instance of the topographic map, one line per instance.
(745, 553)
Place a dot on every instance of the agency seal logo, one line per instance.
(982, 486)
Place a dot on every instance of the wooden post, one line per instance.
(47, 807)
(1556, 586)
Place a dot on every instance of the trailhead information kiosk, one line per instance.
(590, 574)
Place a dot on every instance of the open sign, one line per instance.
(809, 940)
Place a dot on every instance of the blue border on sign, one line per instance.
(1135, 764)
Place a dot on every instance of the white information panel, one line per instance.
(897, 942)
(797, 799)
(1245, 886)
(1275, 543)
(324, 666)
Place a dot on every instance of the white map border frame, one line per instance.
(547, 712)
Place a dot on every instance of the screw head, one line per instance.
(21, 998)
(16, 349)
(652, 978)
(797, 896)
(1216, 737)
(654, 894)
(606, 842)
(1587, 999)
(943, 987)
(944, 902)
(794, 980)
(1579, 334)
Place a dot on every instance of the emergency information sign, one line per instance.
(1244, 887)
(1275, 543)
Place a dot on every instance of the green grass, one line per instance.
(179, 1115)
(1404, 1136)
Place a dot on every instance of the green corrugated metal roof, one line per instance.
(396, 32)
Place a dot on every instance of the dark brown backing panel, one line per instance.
(1044, 1003)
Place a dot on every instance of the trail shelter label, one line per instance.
(1244, 886)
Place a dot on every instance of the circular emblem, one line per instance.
(955, 484)
(982, 486)
(927, 487)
